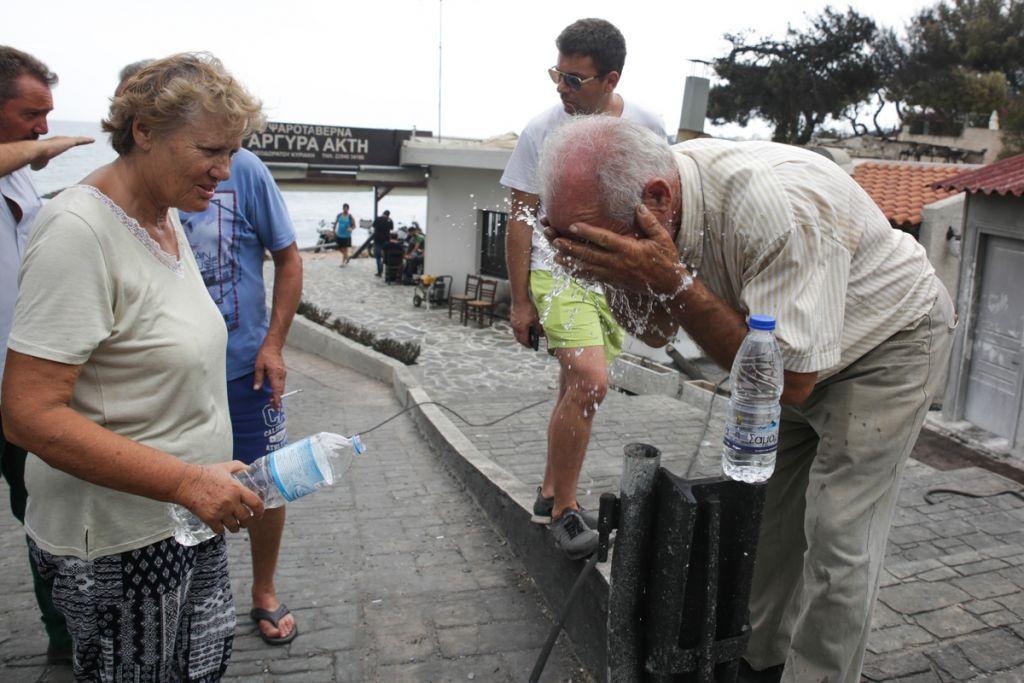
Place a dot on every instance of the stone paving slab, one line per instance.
(952, 602)
(394, 575)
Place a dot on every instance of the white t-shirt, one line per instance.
(17, 187)
(521, 171)
(97, 291)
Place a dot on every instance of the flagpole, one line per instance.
(440, 26)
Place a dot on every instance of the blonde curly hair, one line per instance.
(167, 93)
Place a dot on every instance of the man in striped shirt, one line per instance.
(703, 234)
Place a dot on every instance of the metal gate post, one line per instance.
(630, 562)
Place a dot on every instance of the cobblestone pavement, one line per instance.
(459, 358)
(395, 575)
(952, 602)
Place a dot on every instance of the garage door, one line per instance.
(993, 382)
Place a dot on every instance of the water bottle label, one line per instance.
(294, 470)
(745, 433)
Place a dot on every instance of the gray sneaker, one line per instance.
(543, 507)
(573, 536)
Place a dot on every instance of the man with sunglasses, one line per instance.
(581, 332)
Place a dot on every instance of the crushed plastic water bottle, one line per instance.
(280, 477)
(752, 416)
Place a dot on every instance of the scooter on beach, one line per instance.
(325, 238)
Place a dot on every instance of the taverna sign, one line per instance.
(327, 145)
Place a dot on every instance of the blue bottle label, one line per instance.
(294, 470)
(752, 431)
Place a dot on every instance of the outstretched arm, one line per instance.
(15, 155)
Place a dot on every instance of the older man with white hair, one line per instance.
(707, 232)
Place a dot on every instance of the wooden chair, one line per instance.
(484, 302)
(459, 301)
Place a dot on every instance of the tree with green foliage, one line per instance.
(1011, 122)
(797, 83)
(959, 58)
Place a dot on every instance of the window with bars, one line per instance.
(492, 246)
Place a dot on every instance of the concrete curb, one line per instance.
(506, 500)
(308, 336)
(969, 436)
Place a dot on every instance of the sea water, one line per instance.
(306, 207)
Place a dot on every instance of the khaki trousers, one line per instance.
(830, 502)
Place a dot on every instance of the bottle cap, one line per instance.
(761, 322)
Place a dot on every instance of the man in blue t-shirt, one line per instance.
(344, 224)
(247, 216)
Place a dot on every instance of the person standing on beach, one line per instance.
(344, 224)
(383, 226)
(25, 102)
(580, 329)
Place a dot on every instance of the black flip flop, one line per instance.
(258, 614)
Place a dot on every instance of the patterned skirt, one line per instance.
(161, 613)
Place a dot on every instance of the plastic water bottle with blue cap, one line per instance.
(283, 476)
(752, 416)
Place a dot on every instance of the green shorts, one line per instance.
(573, 317)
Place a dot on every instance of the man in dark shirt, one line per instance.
(392, 254)
(393, 244)
(382, 227)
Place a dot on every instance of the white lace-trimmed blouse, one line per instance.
(97, 291)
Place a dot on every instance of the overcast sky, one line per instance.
(374, 63)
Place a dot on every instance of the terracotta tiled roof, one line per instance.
(901, 190)
(1003, 177)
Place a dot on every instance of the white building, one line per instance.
(467, 208)
(467, 211)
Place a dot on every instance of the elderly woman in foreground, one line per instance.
(115, 380)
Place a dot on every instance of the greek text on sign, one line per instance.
(327, 145)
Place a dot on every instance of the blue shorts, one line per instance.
(258, 428)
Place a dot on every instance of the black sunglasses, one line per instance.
(572, 80)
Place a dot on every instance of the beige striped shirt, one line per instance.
(782, 231)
